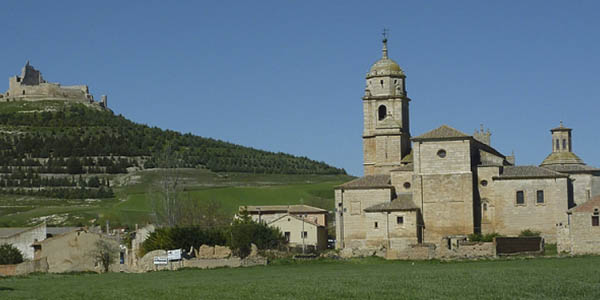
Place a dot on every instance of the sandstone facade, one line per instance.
(446, 183)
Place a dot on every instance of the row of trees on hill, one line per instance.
(77, 131)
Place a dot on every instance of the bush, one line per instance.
(10, 255)
(478, 237)
(529, 232)
(183, 238)
(243, 234)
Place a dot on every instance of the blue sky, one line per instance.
(289, 75)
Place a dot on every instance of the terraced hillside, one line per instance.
(60, 157)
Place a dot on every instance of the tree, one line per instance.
(10, 255)
(105, 253)
(168, 206)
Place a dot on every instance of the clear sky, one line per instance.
(289, 75)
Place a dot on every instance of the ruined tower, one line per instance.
(386, 135)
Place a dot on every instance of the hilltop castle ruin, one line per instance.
(31, 86)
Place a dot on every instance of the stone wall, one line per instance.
(351, 221)
(24, 268)
(580, 237)
(207, 258)
(511, 218)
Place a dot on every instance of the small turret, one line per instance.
(483, 135)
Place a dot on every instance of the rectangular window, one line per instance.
(520, 198)
(303, 234)
(399, 220)
(287, 236)
(564, 144)
(376, 225)
(595, 220)
(540, 197)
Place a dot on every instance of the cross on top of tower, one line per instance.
(385, 34)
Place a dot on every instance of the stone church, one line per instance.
(445, 183)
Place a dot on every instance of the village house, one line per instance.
(23, 238)
(301, 225)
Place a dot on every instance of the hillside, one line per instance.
(69, 164)
(68, 150)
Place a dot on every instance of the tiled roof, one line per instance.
(402, 203)
(366, 182)
(562, 158)
(294, 209)
(10, 231)
(529, 172)
(572, 168)
(588, 206)
(442, 132)
(297, 218)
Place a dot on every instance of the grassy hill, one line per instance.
(69, 164)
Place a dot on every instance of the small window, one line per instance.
(485, 207)
(407, 185)
(381, 81)
(395, 81)
(376, 225)
(595, 220)
(287, 236)
(382, 112)
(540, 197)
(303, 234)
(23, 92)
(484, 183)
(564, 144)
(520, 198)
(557, 145)
(441, 153)
(399, 220)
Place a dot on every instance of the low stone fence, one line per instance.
(206, 257)
(24, 268)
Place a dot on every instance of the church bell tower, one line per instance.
(386, 135)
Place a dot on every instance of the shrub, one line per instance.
(10, 255)
(529, 232)
(241, 235)
(183, 238)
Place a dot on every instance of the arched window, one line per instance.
(382, 112)
(557, 145)
(564, 144)
(381, 81)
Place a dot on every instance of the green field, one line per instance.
(134, 192)
(541, 278)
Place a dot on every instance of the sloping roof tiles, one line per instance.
(529, 172)
(588, 206)
(402, 203)
(294, 209)
(442, 132)
(366, 182)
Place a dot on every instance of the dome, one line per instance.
(385, 66)
(562, 158)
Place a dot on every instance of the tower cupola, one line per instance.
(562, 147)
(385, 78)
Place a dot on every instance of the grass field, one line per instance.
(133, 201)
(540, 278)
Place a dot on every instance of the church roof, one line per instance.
(588, 206)
(561, 127)
(368, 182)
(562, 158)
(404, 202)
(442, 132)
(521, 172)
(572, 168)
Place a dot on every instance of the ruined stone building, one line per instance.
(31, 86)
(445, 183)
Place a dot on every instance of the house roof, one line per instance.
(588, 206)
(60, 230)
(572, 168)
(7, 232)
(517, 172)
(283, 208)
(442, 132)
(368, 182)
(297, 218)
(404, 202)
